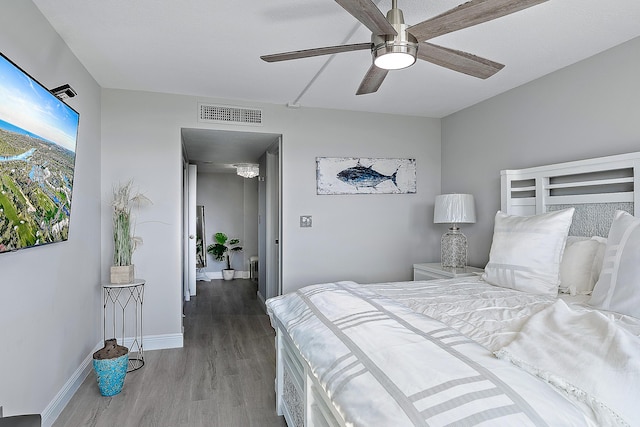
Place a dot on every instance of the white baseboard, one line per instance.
(55, 407)
(62, 398)
(236, 275)
(162, 342)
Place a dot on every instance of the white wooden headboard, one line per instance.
(595, 187)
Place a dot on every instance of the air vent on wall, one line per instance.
(210, 113)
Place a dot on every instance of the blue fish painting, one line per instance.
(361, 176)
(353, 175)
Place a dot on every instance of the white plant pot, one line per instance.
(228, 274)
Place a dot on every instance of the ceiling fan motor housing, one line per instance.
(404, 45)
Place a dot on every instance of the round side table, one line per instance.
(116, 299)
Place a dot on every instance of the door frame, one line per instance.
(272, 262)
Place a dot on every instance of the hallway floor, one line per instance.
(224, 375)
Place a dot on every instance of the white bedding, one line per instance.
(490, 315)
(592, 356)
(383, 364)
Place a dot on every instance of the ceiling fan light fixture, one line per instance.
(394, 45)
(392, 56)
(247, 170)
(394, 51)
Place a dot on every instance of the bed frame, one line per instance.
(595, 187)
(299, 396)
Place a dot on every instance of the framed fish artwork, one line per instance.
(363, 175)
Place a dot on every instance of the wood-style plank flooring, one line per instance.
(224, 375)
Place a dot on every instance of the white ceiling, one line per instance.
(216, 151)
(211, 48)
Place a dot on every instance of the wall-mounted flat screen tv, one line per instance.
(38, 134)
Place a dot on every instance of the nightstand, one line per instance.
(435, 270)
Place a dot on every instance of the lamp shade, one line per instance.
(454, 209)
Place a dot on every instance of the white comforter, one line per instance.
(490, 315)
(383, 364)
(592, 356)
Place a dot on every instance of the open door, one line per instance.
(269, 224)
(189, 231)
(273, 219)
(186, 295)
(193, 173)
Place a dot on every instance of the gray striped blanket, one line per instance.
(382, 364)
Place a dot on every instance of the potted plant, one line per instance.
(124, 240)
(222, 250)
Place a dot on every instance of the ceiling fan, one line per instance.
(395, 45)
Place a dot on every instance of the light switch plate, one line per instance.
(305, 221)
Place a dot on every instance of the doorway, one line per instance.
(216, 152)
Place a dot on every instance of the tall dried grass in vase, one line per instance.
(125, 241)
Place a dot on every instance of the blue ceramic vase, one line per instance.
(111, 373)
(110, 365)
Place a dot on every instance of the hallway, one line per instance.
(224, 375)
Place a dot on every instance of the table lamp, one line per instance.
(454, 209)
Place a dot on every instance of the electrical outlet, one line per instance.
(305, 221)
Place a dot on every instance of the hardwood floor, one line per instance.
(224, 375)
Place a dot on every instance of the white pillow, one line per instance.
(599, 258)
(564, 288)
(576, 266)
(618, 288)
(581, 264)
(526, 251)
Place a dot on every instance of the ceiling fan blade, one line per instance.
(456, 60)
(368, 13)
(372, 80)
(466, 15)
(307, 53)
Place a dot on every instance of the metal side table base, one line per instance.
(116, 299)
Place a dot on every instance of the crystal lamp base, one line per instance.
(454, 249)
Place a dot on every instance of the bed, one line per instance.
(549, 334)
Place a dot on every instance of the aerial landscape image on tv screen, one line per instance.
(38, 135)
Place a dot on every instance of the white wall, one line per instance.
(140, 141)
(589, 109)
(230, 206)
(50, 305)
(364, 238)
